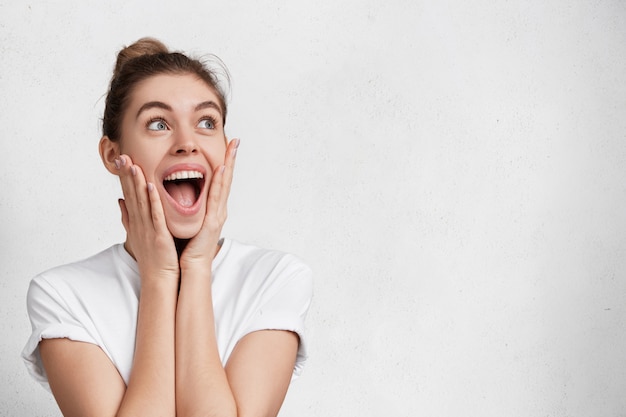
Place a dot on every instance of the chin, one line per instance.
(184, 231)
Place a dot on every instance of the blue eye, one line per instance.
(157, 124)
(206, 124)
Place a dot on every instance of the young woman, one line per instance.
(175, 321)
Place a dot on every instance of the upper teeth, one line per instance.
(183, 175)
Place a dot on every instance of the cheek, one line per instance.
(145, 160)
(215, 153)
(130, 148)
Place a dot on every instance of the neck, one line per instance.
(181, 244)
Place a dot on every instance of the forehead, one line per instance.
(182, 92)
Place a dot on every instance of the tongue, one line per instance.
(183, 192)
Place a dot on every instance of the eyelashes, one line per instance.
(159, 123)
(156, 124)
(207, 122)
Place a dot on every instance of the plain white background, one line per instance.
(453, 172)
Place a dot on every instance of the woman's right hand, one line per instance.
(148, 239)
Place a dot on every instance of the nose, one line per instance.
(184, 143)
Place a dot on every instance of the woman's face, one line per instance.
(173, 130)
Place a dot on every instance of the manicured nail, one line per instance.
(222, 169)
(237, 142)
(123, 161)
(117, 163)
(133, 170)
(150, 186)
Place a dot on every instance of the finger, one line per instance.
(227, 178)
(215, 191)
(229, 161)
(231, 152)
(142, 199)
(124, 212)
(158, 217)
(135, 191)
(123, 164)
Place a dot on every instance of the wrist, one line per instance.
(196, 268)
(159, 278)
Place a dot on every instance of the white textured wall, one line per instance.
(453, 171)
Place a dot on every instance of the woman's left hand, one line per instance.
(201, 249)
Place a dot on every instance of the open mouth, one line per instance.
(184, 187)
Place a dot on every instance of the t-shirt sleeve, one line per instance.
(286, 309)
(51, 318)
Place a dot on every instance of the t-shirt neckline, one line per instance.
(130, 261)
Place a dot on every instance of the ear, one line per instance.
(109, 151)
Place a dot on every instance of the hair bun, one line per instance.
(147, 58)
(144, 46)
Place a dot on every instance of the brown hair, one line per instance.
(141, 60)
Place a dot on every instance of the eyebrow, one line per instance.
(153, 104)
(160, 105)
(209, 105)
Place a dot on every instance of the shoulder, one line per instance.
(251, 259)
(74, 301)
(100, 263)
(90, 275)
(244, 267)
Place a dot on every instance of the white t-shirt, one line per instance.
(95, 300)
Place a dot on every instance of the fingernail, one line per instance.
(223, 168)
(150, 186)
(237, 142)
(123, 161)
(117, 163)
(133, 170)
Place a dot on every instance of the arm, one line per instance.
(201, 383)
(202, 388)
(259, 371)
(82, 378)
(85, 382)
(256, 378)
